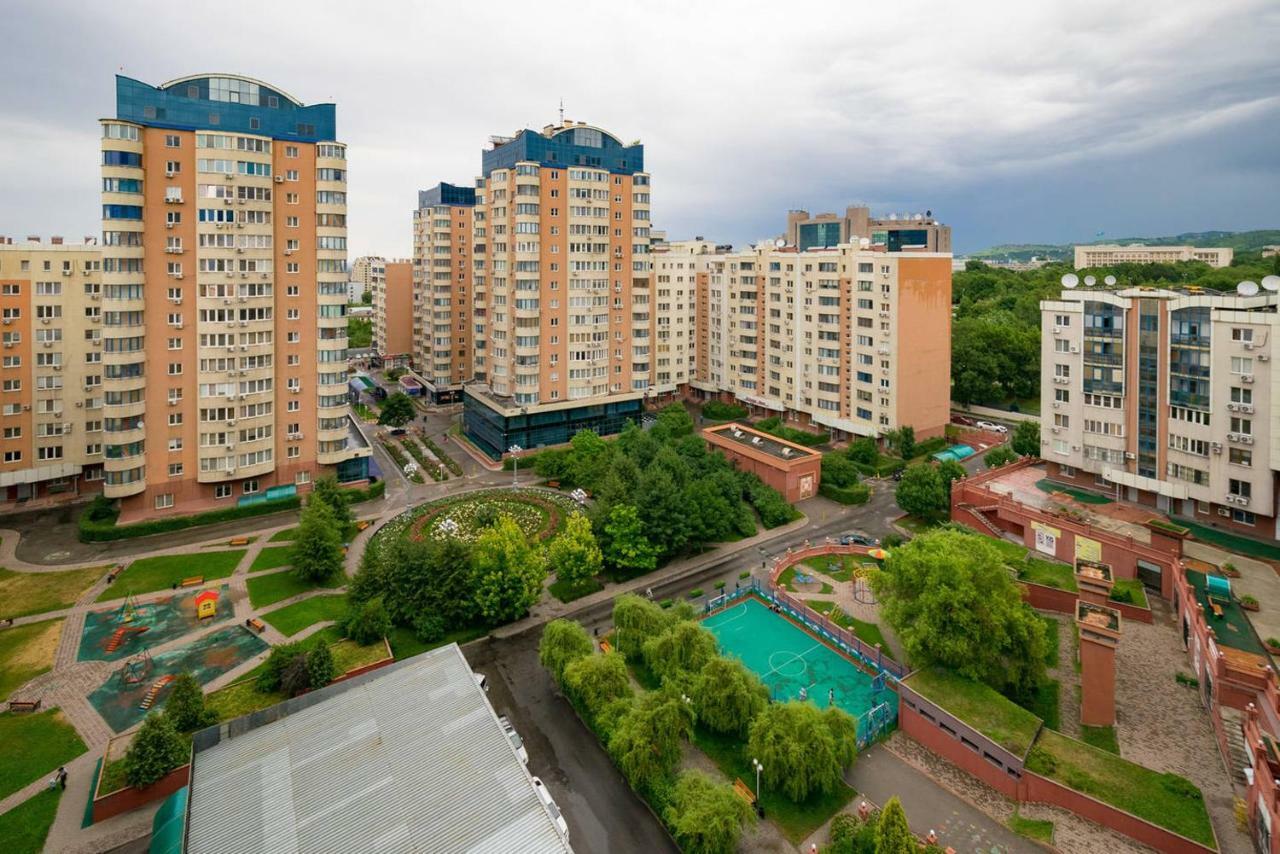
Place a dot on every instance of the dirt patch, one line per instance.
(38, 652)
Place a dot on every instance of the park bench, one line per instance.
(363, 523)
(743, 791)
(238, 541)
(256, 624)
(115, 571)
(554, 484)
(193, 581)
(24, 705)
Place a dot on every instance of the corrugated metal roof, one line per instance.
(411, 760)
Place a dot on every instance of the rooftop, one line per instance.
(408, 758)
(1232, 629)
(1097, 615)
(763, 442)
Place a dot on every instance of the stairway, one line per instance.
(117, 638)
(977, 513)
(1238, 755)
(154, 691)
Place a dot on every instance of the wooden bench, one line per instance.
(24, 705)
(238, 541)
(743, 791)
(1217, 609)
(363, 523)
(115, 572)
(256, 624)
(606, 647)
(554, 484)
(193, 581)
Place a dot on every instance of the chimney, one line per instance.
(56, 240)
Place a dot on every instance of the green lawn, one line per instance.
(25, 827)
(1166, 800)
(405, 644)
(277, 586)
(999, 719)
(292, 619)
(566, 592)
(286, 535)
(156, 573)
(1013, 553)
(1040, 830)
(1080, 495)
(1045, 703)
(26, 652)
(914, 524)
(1129, 590)
(1033, 570)
(24, 593)
(1101, 737)
(273, 557)
(787, 580)
(835, 567)
(1231, 542)
(868, 633)
(1051, 652)
(33, 746)
(797, 821)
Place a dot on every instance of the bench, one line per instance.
(606, 647)
(363, 523)
(24, 705)
(743, 791)
(193, 581)
(256, 624)
(115, 571)
(554, 484)
(238, 541)
(1217, 609)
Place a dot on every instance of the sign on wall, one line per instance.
(1087, 549)
(1046, 538)
(806, 486)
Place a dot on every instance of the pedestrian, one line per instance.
(62, 776)
(831, 697)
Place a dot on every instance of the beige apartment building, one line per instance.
(1167, 398)
(677, 269)
(1107, 255)
(369, 271)
(447, 264)
(51, 403)
(393, 314)
(224, 272)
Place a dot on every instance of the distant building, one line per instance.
(1109, 254)
(393, 314)
(369, 270)
(1270, 251)
(908, 233)
(356, 292)
(444, 287)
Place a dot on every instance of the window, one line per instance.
(1240, 488)
(222, 490)
(172, 140)
(1239, 334)
(1063, 371)
(1061, 345)
(1240, 457)
(1241, 395)
(1244, 517)
(1062, 320)
(1241, 365)
(175, 469)
(164, 501)
(249, 487)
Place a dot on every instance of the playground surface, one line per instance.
(107, 636)
(788, 659)
(206, 658)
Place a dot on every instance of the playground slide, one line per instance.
(154, 691)
(118, 636)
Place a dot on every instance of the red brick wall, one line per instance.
(128, 799)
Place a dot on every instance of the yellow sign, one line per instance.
(1046, 538)
(1087, 549)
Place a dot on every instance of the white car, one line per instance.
(991, 428)
(545, 797)
(516, 741)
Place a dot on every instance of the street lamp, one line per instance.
(515, 464)
(755, 763)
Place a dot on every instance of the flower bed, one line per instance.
(538, 512)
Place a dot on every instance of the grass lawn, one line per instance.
(1129, 590)
(24, 593)
(156, 573)
(292, 619)
(1013, 553)
(1080, 495)
(999, 719)
(405, 644)
(1101, 737)
(567, 592)
(1036, 571)
(113, 773)
(1231, 542)
(273, 557)
(25, 827)
(1166, 800)
(1040, 830)
(1045, 703)
(796, 820)
(26, 652)
(286, 535)
(788, 579)
(835, 567)
(868, 633)
(1051, 651)
(277, 586)
(914, 524)
(33, 746)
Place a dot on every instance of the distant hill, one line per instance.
(1241, 241)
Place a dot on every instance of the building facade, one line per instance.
(447, 261)
(1165, 397)
(224, 290)
(1107, 255)
(908, 233)
(677, 269)
(51, 399)
(369, 271)
(393, 315)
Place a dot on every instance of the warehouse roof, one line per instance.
(409, 758)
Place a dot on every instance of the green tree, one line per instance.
(636, 620)
(366, 622)
(629, 550)
(1026, 439)
(423, 577)
(510, 571)
(366, 298)
(673, 422)
(849, 835)
(553, 464)
(589, 457)
(156, 749)
(903, 440)
(950, 470)
(596, 681)
(893, 836)
(563, 642)
(328, 491)
(185, 706)
(321, 668)
(998, 456)
(728, 696)
(646, 742)
(864, 451)
(397, 410)
(839, 470)
(574, 556)
(272, 675)
(316, 554)
(684, 647)
(797, 748)
(952, 602)
(706, 817)
(921, 493)
(711, 515)
(660, 502)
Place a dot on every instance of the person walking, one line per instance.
(62, 777)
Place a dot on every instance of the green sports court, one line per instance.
(788, 658)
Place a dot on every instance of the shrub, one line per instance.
(665, 603)
(774, 427)
(1183, 679)
(1249, 600)
(103, 530)
(428, 627)
(367, 622)
(321, 668)
(185, 706)
(745, 574)
(155, 751)
(859, 493)
(695, 593)
(1179, 787)
(1273, 642)
(864, 451)
(719, 585)
(715, 410)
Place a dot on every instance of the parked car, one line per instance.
(963, 420)
(545, 797)
(398, 431)
(991, 427)
(857, 538)
(516, 741)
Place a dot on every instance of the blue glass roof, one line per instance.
(570, 146)
(185, 104)
(446, 194)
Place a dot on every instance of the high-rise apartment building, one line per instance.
(906, 233)
(677, 267)
(1167, 398)
(369, 270)
(393, 315)
(51, 402)
(224, 271)
(446, 264)
(1109, 254)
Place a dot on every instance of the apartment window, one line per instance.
(172, 140)
(302, 477)
(1239, 334)
(175, 444)
(175, 369)
(1240, 457)
(12, 456)
(1241, 395)
(1063, 371)
(175, 469)
(1062, 395)
(1062, 320)
(172, 167)
(291, 151)
(222, 490)
(1244, 517)
(1061, 345)
(291, 222)
(1241, 365)
(175, 419)
(1241, 425)
(1242, 488)
(165, 501)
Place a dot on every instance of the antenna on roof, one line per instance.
(561, 110)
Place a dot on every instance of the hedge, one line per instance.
(715, 410)
(859, 493)
(775, 427)
(885, 467)
(101, 530)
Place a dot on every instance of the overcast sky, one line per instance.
(1013, 121)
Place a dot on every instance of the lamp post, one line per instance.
(515, 465)
(755, 763)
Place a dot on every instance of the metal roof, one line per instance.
(410, 758)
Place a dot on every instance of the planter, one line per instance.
(1272, 648)
(1250, 606)
(1230, 573)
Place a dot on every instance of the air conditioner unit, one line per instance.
(240, 250)
(1246, 438)
(44, 321)
(1056, 429)
(230, 447)
(8, 321)
(1217, 447)
(244, 347)
(168, 225)
(1242, 501)
(1264, 357)
(48, 344)
(231, 422)
(1075, 348)
(1222, 511)
(1248, 345)
(169, 173)
(229, 177)
(8, 345)
(242, 201)
(239, 225)
(57, 367)
(95, 296)
(217, 225)
(79, 405)
(242, 299)
(1233, 437)
(1130, 455)
(1246, 408)
(279, 179)
(244, 323)
(1246, 378)
(1234, 407)
(1075, 447)
(228, 202)
(173, 403)
(1057, 330)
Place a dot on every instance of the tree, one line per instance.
(185, 706)
(574, 556)
(588, 458)
(661, 505)
(417, 577)
(156, 749)
(397, 410)
(684, 647)
(707, 817)
(839, 470)
(316, 554)
(563, 642)
(636, 620)
(953, 603)
(711, 515)
(673, 422)
(552, 464)
(903, 440)
(950, 470)
(646, 742)
(595, 681)
(280, 658)
(367, 298)
(998, 456)
(328, 491)
(893, 836)
(321, 668)
(1026, 439)
(864, 451)
(849, 835)
(727, 696)
(366, 622)
(921, 493)
(797, 748)
(510, 571)
(629, 550)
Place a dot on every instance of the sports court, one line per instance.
(787, 658)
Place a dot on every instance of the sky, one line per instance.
(1014, 122)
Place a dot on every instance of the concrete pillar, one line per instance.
(1094, 581)
(1099, 635)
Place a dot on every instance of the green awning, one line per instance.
(168, 828)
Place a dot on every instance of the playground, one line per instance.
(131, 627)
(143, 681)
(794, 664)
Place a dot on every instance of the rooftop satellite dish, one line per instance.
(1271, 283)
(1110, 280)
(780, 243)
(1090, 281)
(1070, 280)
(1247, 289)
